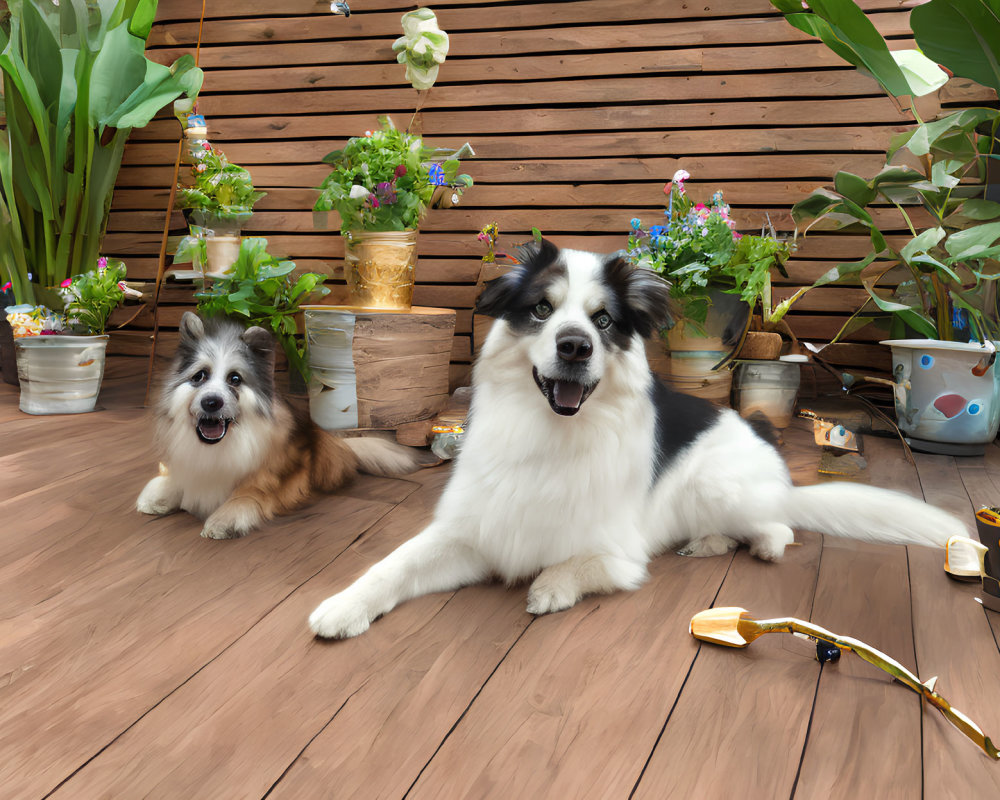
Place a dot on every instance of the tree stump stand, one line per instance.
(377, 370)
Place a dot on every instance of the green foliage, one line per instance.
(385, 180)
(843, 27)
(262, 290)
(952, 263)
(75, 82)
(698, 250)
(222, 192)
(964, 35)
(93, 295)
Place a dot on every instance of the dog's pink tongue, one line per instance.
(212, 429)
(568, 394)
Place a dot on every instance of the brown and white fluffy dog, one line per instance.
(233, 451)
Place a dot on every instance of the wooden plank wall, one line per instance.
(579, 111)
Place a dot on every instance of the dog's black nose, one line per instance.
(574, 346)
(211, 403)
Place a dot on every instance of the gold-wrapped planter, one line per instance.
(379, 267)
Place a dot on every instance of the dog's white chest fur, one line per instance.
(535, 487)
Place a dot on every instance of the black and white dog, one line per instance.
(579, 466)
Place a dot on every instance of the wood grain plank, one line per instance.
(854, 579)
(105, 613)
(400, 688)
(953, 640)
(606, 670)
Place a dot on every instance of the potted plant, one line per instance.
(942, 314)
(217, 205)
(60, 355)
(75, 83)
(264, 291)
(381, 186)
(717, 277)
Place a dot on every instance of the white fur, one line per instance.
(572, 500)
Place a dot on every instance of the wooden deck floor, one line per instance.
(140, 660)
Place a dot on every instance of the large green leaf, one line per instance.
(844, 28)
(922, 243)
(964, 35)
(972, 242)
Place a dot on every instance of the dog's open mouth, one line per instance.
(212, 429)
(565, 397)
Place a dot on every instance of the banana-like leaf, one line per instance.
(844, 28)
(972, 242)
(964, 35)
(922, 243)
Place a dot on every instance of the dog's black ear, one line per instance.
(644, 294)
(536, 254)
(503, 293)
(192, 327)
(499, 294)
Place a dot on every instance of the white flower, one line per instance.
(359, 192)
(681, 175)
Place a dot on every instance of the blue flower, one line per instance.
(656, 230)
(436, 174)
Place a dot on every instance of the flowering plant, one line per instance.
(698, 249)
(222, 191)
(386, 179)
(89, 299)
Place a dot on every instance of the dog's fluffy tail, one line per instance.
(856, 511)
(382, 457)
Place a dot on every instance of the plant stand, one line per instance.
(377, 369)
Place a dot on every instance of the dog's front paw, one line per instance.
(221, 529)
(340, 617)
(554, 589)
(158, 498)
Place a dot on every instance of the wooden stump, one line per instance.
(377, 369)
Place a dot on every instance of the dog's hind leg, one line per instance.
(160, 496)
(560, 586)
(432, 561)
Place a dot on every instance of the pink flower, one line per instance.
(737, 236)
(206, 146)
(374, 201)
(102, 264)
(66, 283)
(680, 176)
(6, 286)
(400, 171)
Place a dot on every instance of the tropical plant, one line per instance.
(698, 250)
(948, 291)
(386, 179)
(222, 194)
(75, 83)
(262, 290)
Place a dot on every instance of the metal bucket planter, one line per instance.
(60, 374)
(379, 268)
(947, 394)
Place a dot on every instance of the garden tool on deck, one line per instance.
(733, 627)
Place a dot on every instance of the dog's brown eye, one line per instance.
(603, 320)
(234, 379)
(199, 377)
(543, 309)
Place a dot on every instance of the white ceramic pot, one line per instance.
(945, 392)
(60, 374)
